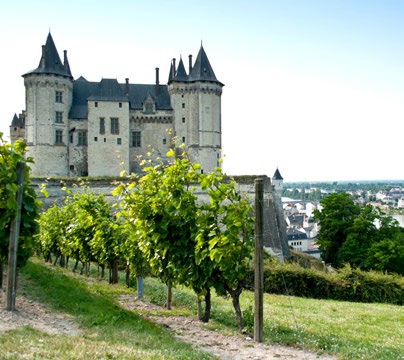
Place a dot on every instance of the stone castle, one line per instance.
(79, 128)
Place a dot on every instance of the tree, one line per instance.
(387, 254)
(335, 219)
(360, 236)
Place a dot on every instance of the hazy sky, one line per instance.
(313, 87)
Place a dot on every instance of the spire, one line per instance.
(50, 62)
(66, 63)
(181, 74)
(15, 122)
(277, 175)
(171, 73)
(202, 70)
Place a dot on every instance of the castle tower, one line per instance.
(17, 128)
(196, 101)
(277, 181)
(48, 90)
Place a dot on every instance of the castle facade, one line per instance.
(75, 127)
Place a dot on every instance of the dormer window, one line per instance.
(148, 108)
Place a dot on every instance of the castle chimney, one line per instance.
(174, 68)
(157, 76)
(43, 56)
(65, 59)
(190, 63)
(127, 86)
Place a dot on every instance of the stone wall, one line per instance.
(155, 130)
(108, 153)
(274, 222)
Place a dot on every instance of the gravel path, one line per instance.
(225, 345)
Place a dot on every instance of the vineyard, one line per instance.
(158, 231)
(158, 228)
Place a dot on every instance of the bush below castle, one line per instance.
(346, 284)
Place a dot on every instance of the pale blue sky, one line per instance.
(314, 87)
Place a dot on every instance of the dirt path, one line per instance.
(31, 313)
(223, 344)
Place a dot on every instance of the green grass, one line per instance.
(346, 329)
(108, 331)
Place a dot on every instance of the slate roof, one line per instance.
(296, 219)
(295, 234)
(170, 74)
(181, 74)
(15, 121)
(18, 121)
(108, 90)
(277, 175)
(202, 70)
(111, 90)
(50, 62)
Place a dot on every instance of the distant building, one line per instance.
(297, 238)
(277, 181)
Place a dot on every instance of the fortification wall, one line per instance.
(274, 222)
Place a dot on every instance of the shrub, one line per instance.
(346, 284)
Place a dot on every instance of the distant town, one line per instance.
(301, 199)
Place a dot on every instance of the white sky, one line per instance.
(313, 87)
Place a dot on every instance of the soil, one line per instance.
(224, 344)
(221, 343)
(31, 313)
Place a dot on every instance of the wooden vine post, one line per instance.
(13, 246)
(258, 261)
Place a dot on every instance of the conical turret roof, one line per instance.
(18, 121)
(66, 64)
(50, 62)
(15, 121)
(171, 73)
(181, 74)
(277, 175)
(202, 70)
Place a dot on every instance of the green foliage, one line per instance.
(346, 284)
(197, 245)
(387, 254)
(10, 155)
(161, 211)
(348, 234)
(84, 228)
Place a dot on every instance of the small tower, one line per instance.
(17, 128)
(196, 101)
(49, 90)
(277, 181)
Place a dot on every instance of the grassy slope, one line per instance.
(108, 331)
(350, 330)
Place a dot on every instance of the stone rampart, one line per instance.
(274, 222)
